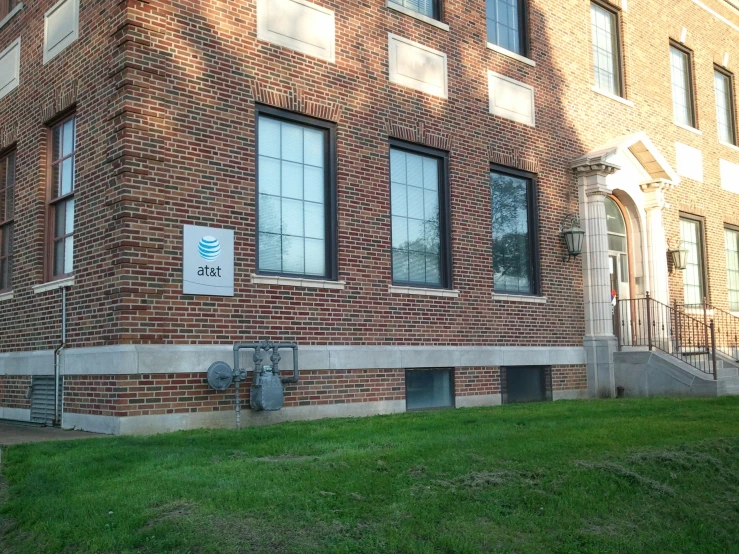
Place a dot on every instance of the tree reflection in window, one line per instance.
(512, 240)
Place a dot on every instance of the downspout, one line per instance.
(57, 358)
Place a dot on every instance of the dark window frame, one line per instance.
(702, 250)
(690, 73)
(445, 220)
(452, 388)
(6, 223)
(330, 198)
(734, 228)
(533, 221)
(524, 35)
(50, 239)
(546, 382)
(617, 45)
(7, 6)
(732, 103)
(437, 9)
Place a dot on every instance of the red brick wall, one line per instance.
(476, 381)
(165, 101)
(171, 69)
(345, 387)
(13, 389)
(135, 395)
(569, 377)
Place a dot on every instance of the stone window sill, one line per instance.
(729, 145)
(688, 128)
(53, 285)
(506, 52)
(6, 296)
(520, 298)
(297, 282)
(416, 15)
(5, 20)
(424, 292)
(613, 97)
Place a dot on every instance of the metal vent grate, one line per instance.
(42, 399)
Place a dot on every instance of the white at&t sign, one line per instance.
(207, 261)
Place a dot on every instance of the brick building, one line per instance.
(387, 181)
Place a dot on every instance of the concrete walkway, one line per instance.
(19, 433)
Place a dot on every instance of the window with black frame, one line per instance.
(515, 267)
(419, 223)
(525, 384)
(694, 274)
(606, 48)
(429, 388)
(7, 211)
(61, 198)
(429, 8)
(296, 210)
(731, 236)
(506, 25)
(683, 95)
(725, 120)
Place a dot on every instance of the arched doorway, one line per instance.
(618, 249)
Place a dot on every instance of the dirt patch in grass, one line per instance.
(175, 510)
(285, 458)
(629, 475)
(478, 480)
(227, 532)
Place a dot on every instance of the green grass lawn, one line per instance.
(646, 475)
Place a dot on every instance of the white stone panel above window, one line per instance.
(511, 99)
(418, 67)
(729, 176)
(689, 161)
(10, 61)
(298, 25)
(61, 27)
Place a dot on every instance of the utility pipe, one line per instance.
(57, 357)
(240, 374)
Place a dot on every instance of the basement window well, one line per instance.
(428, 389)
(526, 384)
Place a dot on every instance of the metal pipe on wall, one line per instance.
(57, 358)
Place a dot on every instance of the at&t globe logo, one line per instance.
(209, 248)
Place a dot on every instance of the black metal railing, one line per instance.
(727, 325)
(645, 322)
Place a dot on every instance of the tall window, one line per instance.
(296, 202)
(515, 266)
(419, 222)
(429, 8)
(683, 103)
(506, 22)
(732, 267)
(694, 277)
(7, 6)
(606, 49)
(725, 106)
(7, 208)
(61, 198)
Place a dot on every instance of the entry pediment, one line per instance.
(640, 146)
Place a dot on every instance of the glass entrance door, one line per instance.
(618, 261)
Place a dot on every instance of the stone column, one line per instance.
(599, 340)
(654, 203)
